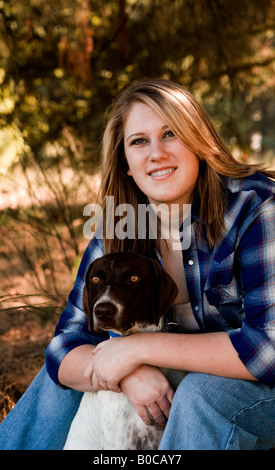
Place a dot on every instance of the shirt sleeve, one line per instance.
(72, 328)
(255, 340)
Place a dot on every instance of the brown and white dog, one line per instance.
(124, 293)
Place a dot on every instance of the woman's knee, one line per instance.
(197, 386)
(194, 422)
(211, 412)
(199, 417)
(195, 400)
(224, 394)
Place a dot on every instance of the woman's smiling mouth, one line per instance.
(163, 172)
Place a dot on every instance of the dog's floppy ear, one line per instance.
(165, 292)
(87, 304)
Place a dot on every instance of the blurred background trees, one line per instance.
(62, 62)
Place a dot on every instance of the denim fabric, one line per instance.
(41, 418)
(208, 413)
(217, 413)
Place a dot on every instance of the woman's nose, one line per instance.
(157, 150)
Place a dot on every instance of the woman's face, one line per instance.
(161, 166)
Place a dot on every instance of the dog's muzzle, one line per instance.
(105, 310)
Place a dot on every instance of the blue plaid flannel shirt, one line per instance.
(231, 287)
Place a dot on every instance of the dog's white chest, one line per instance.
(108, 421)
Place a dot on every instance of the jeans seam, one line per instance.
(230, 437)
(250, 407)
(234, 425)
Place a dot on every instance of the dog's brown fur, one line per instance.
(117, 303)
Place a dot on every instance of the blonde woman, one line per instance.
(159, 147)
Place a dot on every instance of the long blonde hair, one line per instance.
(191, 125)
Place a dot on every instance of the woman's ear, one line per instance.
(129, 172)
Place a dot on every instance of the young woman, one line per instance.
(160, 147)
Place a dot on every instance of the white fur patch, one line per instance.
(107, 297)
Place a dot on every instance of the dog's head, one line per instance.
(127, 292)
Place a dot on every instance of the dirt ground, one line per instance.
(22, 343)
(24, 330)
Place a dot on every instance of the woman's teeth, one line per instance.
(162, 172)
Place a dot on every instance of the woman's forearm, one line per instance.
(211, 353)
(72, 369)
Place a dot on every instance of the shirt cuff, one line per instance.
(61, 345)
(256, 352)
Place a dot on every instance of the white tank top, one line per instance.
(173, 264)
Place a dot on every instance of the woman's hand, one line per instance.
(115, 366)
(112, 361)
(150, 393)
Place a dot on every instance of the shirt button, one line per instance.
(196, 308)
(191, 262)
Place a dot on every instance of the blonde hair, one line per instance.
(191, 125)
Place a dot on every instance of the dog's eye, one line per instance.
(95, 280)
(134, 279)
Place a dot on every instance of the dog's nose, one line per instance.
(104, 310)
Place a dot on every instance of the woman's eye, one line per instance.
(168, 134)
(138, 141)
(95, 280)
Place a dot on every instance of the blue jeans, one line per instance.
(216, 413)
(41, 418)
(208, 412)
